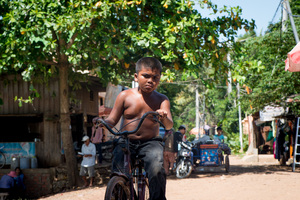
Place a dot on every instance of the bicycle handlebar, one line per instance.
(102, 121)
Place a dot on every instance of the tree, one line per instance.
(260, 68)
(106, 37)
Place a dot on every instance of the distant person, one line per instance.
(182, 130)
(7, 183)
(219, 138)
(96, 139)
(19, 182)
(169, 151)
(88, 151)
(178, 137)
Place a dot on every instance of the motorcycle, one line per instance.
(107, 149)
(184, 161)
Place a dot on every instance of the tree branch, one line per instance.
(47, 62)
(72, 40)
(54, 36)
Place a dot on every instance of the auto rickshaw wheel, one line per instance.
(227, 165)
(184, 169)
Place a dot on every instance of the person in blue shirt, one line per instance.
(219, 137)
(7, 183)
(19, 184)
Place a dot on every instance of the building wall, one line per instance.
(46, 106)
(14, 86)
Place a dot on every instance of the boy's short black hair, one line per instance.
(182, 127)
(219, 129)
(148, 62)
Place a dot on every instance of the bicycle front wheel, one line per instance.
(2, 160)
(117, 188)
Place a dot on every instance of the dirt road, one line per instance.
(259, 181)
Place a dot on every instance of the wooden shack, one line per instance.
(36, 125)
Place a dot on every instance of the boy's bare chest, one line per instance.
(136, 107)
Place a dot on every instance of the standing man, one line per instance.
(96, 139)
(178, 137)
(88, 151)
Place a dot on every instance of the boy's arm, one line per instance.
(117, 110)
(165, 114)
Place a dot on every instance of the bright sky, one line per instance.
(262, 11)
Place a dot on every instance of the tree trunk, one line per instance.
(67, 140)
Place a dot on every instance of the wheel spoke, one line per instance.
(117, 189)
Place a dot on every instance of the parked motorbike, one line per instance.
(184, 161)
(107, 149)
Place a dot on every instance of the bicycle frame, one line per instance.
(127, 172)
(141, 179)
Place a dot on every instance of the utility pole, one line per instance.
(229, 88)
(203, 118)
(284, 17)
(287, 6)
(240, 116)
(197, 110)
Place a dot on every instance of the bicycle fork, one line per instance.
(127, 167)
(141, 182)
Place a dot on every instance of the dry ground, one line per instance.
(259, 181)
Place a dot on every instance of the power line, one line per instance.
(276, 11)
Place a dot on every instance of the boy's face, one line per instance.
(182, 131)
(148, 79)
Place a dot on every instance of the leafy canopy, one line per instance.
(108, 37)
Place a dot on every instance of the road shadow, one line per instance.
(236, 170)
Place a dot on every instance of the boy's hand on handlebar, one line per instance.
(97, 122)
(162, 114)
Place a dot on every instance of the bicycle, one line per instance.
(2, 158)
(133, 183)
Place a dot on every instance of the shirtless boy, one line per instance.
(132, 104)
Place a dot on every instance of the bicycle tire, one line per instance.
(2, 160)
(117, 188)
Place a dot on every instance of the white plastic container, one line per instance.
(15, 162)
(25, 163)
(34, 162)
